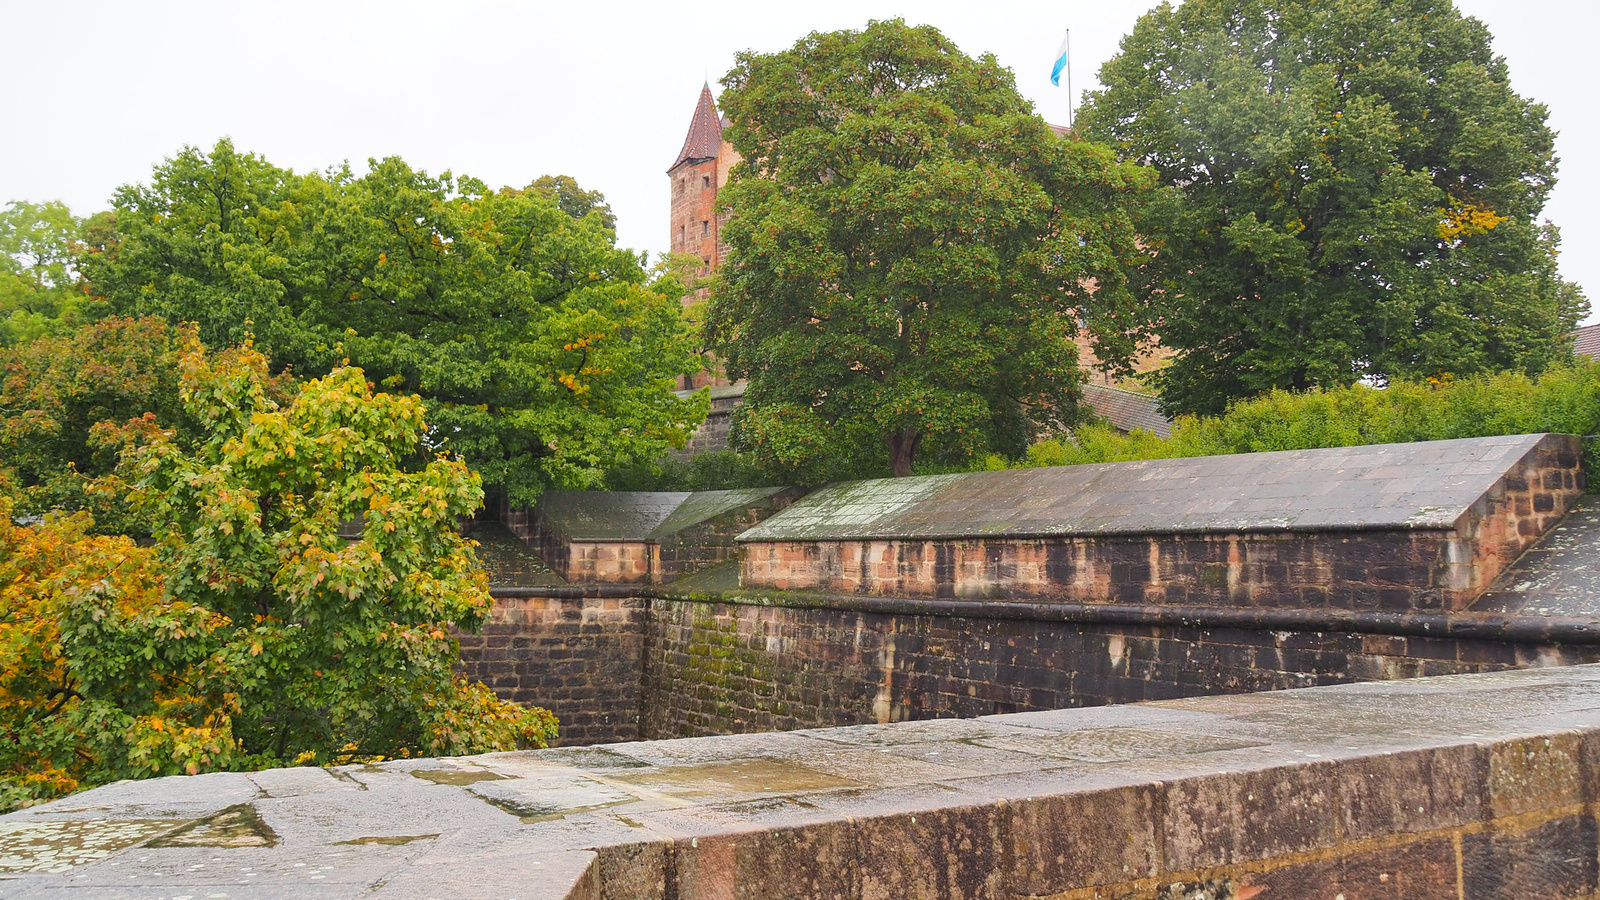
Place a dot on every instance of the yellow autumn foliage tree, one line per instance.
(255, 633)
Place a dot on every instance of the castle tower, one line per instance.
(700, 170)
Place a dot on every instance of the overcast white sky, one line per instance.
(101, 91)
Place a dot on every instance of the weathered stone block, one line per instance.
(947, 854)
(812, 862)
(1532, 774)
(1399, 793)
(1422, 870)
(1238, 817)
(1082, 840)
(1554, 860)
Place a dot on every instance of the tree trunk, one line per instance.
(903, 451)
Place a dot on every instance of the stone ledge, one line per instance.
(1573, 629)
(1480, 786)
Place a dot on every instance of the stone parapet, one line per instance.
(641, 537)
(1421, 526)
(1477, 787)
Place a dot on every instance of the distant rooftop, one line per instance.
(1587, 342)
(704, 140)
(1427, 485)
(1127, 410)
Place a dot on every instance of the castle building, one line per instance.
(698, 173)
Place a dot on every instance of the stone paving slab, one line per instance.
(1181, 785)
(1426, 485)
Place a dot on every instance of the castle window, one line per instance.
(683, 234)
(680, 185)
(705, 227)
(705, 181)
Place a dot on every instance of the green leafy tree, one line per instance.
(573, 200)
(912, 251)
(55, 392)
(39, 243)
(543, 352)
(1350, 190)
(260, 630)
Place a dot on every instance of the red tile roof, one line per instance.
(704, 140)
(1587, 342)
(1126, 410)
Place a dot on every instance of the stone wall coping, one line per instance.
(1427, 485)
(1238, 786)
(1468, 625)
(609, 516)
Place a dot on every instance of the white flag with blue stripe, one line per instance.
(1061, 61)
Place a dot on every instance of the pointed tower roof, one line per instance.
(705, 132)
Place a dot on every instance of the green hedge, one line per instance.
(1564, 400)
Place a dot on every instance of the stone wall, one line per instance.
(606, 561)
(720, 668)
(609, 562)
(1479, 787)
(616, 668)
(641, 537)
(711, 541)
(1406, 526)
(579, 657)
(696, 228)
(1236, 611)
(713, 432)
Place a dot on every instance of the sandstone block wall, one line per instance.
(696, 229)
(1284, 814)
(1302, 545)
(1482, 787)
(642, 537)
(579, 657)
(719, 668)
(609, 562)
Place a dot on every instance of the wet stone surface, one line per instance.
(509, 560)
(638, 515)
(1030, 804)
(1419, 485)
(1557, 577)
(57, 846)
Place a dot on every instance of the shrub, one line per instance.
(1565, 399)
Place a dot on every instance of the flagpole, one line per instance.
(1069, 77)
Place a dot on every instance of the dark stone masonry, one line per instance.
(579, 656)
